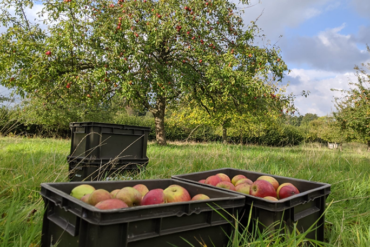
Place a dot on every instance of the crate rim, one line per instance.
(48, 186)
(117, 126)
(283, 201)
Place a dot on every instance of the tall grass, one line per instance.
(26, 163)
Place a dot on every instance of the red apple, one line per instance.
(114, 193)
(98, 196)
(111, 204)
(226, 185)
(223, 177)
(48, 53)
(85, 198)
(243, 188)
(262, 188)
(200, 197)
(287, 191)
(142, 189)
(244, 181)
(176, 193)
(213, 180)
(271, 180)
(236, 178)
(281, 186)
(130, 196)
(155, 196)
(270, 198)
(202, 181)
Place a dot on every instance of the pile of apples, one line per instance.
(266, 187)
(132, 196)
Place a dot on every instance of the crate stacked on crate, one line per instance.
(68, 221)
(304, 209)
(101, 150)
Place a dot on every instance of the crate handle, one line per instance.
(64, 224)
(305, 213)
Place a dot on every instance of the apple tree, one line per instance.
(149, 53)
(353, 108)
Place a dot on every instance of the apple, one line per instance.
(155, 196)
(81, 190)
(142, 189)
(200, 197)
(226, 185)
(213, 180)
(271, 180)
(262, 188)
(48, 53)
(236, 178)
(223, 177)
(281, 186)
(98, 196)
(202, 181)
(84, 198)
(270, 198)
(176, 193)
(111, 204)
(114, 193)
(130, 196)
(244, 181)
(243, 188)
(287, 191)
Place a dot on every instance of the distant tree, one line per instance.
(308, 117)
(353, 107)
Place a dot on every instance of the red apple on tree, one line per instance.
(48, 53)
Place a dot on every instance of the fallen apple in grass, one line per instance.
(236, 178)
(98, 196)
(130, 196)
(287, 191)
(155, 196)
(271, 180)
(226, 185)
(213, 180)
(262, 188)
(200, 197)
(176, 193)
(111, 204)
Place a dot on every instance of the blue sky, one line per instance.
(322, 41)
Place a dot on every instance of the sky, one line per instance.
(320, 40)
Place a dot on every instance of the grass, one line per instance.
(26, 163)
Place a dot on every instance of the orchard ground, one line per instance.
(26, 163)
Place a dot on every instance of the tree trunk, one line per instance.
(224, 134)
(160, 133)
(368, 146)
(241, 138)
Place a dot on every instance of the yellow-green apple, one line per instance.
(142, 189)
(200, 197)
(243, 181)
(270, 198)
(176, 193)
(213, 180)
(281, 186)
(81, 190)
(202, 181)
(114, 193)
(223, 177)
(262, 188)
(236, 178)
(155, 196)
(130, 196)
(85, 198)
(243, 188)
(226, 185)
(271, 180)
(98, 196)
(111, 204)
(287, 191)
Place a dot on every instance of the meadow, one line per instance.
(25, 163)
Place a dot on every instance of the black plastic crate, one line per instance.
(305, 208)
(86, 172)
(99, 143)
(70, 222)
